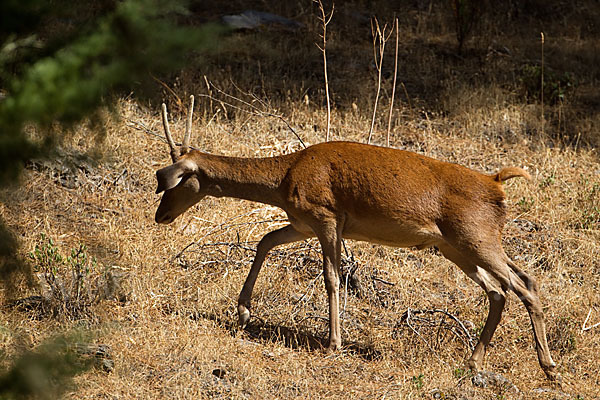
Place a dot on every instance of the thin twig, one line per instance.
(122, 174)
(349, 272)
(255, 110)
(216, 229)
(542, 83)
(387, 137)
(383, 281)
(587, 328)
(379, 41)
(140, 126)
(168, 89)
(209, 94)
(408, 318)
(406, 94)
(345, 293)
(311, 286)
(263, 103)
(325, 20)
(465, 332)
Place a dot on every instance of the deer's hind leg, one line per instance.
(330, 238)
(490, 257)
(496, 295)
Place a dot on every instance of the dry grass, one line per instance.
(172, 329)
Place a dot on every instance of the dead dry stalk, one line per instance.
(379, 41)
(587, 328)
(325, 20)
(387, 137)
(542, 83)
(252, 109)
(209, 93)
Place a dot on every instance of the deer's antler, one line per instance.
(185, 146)
(177, 152)
(165, 120)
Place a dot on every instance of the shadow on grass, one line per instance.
(292, 338)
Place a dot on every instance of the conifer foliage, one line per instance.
(72, 61)
(60, 62)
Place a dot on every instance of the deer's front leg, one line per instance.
(284, 235)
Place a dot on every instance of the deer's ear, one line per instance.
(169, 177)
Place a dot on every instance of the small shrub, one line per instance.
(70, 285)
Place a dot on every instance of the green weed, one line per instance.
(70, 285)
(417, 380)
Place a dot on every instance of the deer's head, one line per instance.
(180, 182)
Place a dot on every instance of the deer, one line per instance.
(382, 195)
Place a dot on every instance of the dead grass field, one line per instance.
(170, 321)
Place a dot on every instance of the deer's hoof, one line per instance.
(243, 315)
(473, 365)
(333, 347)
(553, 375)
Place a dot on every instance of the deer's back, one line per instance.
(384, 194)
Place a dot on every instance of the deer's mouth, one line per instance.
(163, 219)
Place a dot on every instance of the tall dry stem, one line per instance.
(325, 20)
(379, 41)
(387, 136)
(542, 83)
(210, 95)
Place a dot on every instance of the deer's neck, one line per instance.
(254, 179)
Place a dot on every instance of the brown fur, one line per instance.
(349, 190)
(511, 172)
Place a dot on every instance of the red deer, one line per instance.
(338, 190)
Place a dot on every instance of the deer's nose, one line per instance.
(163, 219)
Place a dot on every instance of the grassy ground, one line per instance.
(164, 297)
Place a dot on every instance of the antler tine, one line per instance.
(188, 128)
(165, 121)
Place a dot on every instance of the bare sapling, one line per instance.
(380, 38)
(337, 190)
(325, 20)
(389, 128)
